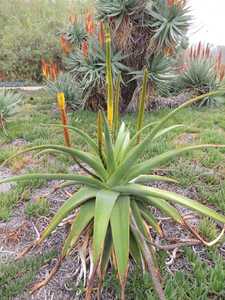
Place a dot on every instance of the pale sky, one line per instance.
(209, 21)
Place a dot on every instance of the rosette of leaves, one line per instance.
(126, 19)
(9, 103)
(89, 69)
(169, 22)
(67, 85)
(76, 34)
(200, 75)
(119, 8)
(112, 219)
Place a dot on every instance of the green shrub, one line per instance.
(29, 33)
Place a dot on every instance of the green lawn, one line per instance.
(202, 171)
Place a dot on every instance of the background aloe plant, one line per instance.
(202, 71)
(9, 102)
(113, 215)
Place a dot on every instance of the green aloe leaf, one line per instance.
(120, 139)
(106, 253)
(123, 149)
(93, 161)
(120, 226)
(156, 129)
(165, 208)
(135, 251)
(150, 218)
(145, 179)
(133, 140)
(154, 193)
(148, 165)
(136, 213)
(85, 137)
(85, 215)
(83, 195)
(165, 131)
(105, 201)
(136, 152)
(79, 179)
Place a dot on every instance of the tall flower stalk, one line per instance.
(64, 118)
(109, 77)
(141, 112)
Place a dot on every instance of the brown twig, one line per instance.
(43, 283)
(197, 235)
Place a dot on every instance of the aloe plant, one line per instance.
(71, 89)
(202, 72)
(9, 102)
(90, 71)
(113, 203)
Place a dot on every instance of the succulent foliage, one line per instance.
(113, 204)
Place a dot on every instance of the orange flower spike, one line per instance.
(44, 67)
(66, 46)
(54, 71)
(85, 48)
(62, 108)
(101, 34)
(90, 27)
(170, 3)
(219, 59)
(199, 49)
(222, 72)
(207, 52)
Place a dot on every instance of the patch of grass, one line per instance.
(15, 277)
(208, 229)
(212, 158)
(214, 194)
(186, 172)
(38, 208)
(6, 152)
(203, 282)
(7, 202)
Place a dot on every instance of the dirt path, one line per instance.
(24, 88)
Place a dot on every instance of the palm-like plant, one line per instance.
(119, 8)
(112, 219)
(169, 22)
(9, 102)
(144, 30)
(89, 69)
